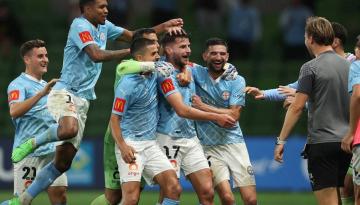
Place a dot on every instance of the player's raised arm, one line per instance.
(175, 100)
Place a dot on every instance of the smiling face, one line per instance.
(178, 52)
(215, 57)
(36, 61)
(96, 12)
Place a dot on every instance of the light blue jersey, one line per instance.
(37, 120)
(136, 101)
(79, 73)
(354, 75)
(222, 94)
(169, 122)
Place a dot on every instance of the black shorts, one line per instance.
(327, 165)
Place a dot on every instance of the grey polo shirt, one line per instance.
(324, 79)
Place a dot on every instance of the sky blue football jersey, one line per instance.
(79, 73)
(136, 101)
(37, 120)
(354, 75)
(222, 94)
(169, 122)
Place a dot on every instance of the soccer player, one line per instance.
(351, 141)
(27, 96)
(323, 83)
(69, 99)
(176, 135)
(112, 194)
(133, 125)
(224, 148)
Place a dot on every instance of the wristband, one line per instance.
(279, 141)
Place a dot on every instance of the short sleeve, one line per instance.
(16, 93)
(113, 32)
(306, 79)
(237, 96)
(167, 85)
(122, 99)
(80, 34)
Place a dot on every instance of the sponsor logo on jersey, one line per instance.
(133, 169)
(14, 95)
(167, 86)
(119, 105)
(85, 36)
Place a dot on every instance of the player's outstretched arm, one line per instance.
(185, 111)
(20, 108)
(255, 92)
(234, 111)
(127, 152)
(98, 55)
(131, 66)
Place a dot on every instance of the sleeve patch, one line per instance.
(14, 95)
(119, 104)
(167, 86)
(85, 36)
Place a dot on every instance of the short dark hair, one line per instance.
(83, 3)
(139, 33)
(214, 42)
(320, 30)
(340, 32)
(170, 38)
(26, 47)
(138, 45)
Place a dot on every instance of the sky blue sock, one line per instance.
(50, 135)
(45, 177)
(168, 201)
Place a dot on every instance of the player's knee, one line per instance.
(206, 194)
(251, 200)
(68, 128)
(173, 189)
(131, 199)
(68, 132)
(227, 199)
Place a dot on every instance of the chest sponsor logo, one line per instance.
(119, 105)
(225, 95)
(167, 86)
(14, 95)
(85, 36)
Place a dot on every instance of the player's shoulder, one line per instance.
(19, 81)
(80, 23)
(355, 66)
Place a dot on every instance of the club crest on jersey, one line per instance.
(119, 105)
(167, 86)
(225, 95)
(85, 36)
(14, 95)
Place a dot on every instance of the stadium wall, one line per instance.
(87, 171)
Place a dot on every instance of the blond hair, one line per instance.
(320, 30)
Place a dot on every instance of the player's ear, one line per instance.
(139, 57)
(204, 54)
(167, 50)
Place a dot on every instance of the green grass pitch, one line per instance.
(187, 198)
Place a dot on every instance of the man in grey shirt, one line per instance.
(323, 83)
